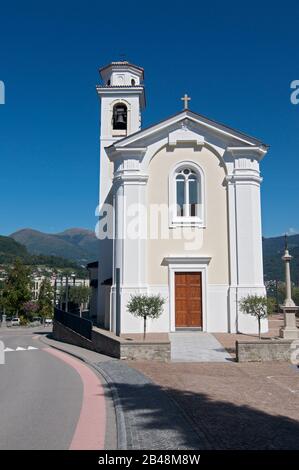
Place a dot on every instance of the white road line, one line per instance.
(19, 348)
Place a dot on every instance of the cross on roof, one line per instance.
(186, 98)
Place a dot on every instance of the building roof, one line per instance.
(93, 264)
(122, 64)
(185, 114)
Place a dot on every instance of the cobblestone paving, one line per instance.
(152, 419)
(203, 406)
(236, 406)
(196, 346)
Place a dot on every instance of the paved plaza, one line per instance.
(196, 346)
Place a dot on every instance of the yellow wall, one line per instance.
(212, 240)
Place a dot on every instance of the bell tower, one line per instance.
(122, 100)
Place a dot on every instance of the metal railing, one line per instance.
(75, 323)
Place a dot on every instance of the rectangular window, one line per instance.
(193, 196)
(180, 192)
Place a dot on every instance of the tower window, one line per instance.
(120, 114)
(133, 83)
(108, 82)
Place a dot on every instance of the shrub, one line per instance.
(144, 306)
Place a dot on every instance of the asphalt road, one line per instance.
(40, 395)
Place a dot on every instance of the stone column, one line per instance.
(289, 330)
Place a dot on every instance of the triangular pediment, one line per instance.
(189, 127)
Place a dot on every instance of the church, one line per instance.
(179, 214)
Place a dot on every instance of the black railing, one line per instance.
(75, 323)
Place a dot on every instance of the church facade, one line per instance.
(179, 214)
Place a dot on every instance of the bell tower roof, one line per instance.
(121, 66)
(122, 79)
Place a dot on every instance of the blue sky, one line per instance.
(236, 60)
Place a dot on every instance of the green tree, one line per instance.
(145, 306)
(45, 299)
(256, 306)
(79, 295)
(17, 288)
(295, 295)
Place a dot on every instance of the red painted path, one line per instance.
(91, 426)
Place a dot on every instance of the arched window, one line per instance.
(187, 193)
(133, 82)
(120, 114)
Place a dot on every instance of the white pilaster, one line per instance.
(245, 235)
(130, 234)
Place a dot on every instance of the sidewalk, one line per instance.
(146, 416)
(228, 405)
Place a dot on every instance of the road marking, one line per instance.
(19, 348)
(91, 426)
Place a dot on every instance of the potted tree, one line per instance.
(257, 306)
(146, 306)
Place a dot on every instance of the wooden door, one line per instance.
(188, 300)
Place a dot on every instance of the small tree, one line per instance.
(30, 308)
(79, 295)
(45, 299)
(144, 306)
(17, 288)
(256, 306)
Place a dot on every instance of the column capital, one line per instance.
(257, 152)
(244, 178)
(124, 177)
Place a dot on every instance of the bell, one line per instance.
(120, 119)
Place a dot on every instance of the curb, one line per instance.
(119, 414)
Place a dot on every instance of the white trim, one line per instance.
(201, 120)
(185, 264)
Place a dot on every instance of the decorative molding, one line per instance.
(116, 153)
(255, 151)
(197, 119)
(185, 135)
(133, 178)
(187, 260)
(244, 178)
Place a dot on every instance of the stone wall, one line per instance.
(113, 346)
(146, 352)
(264, 350)
(66, 335)
(105, 344)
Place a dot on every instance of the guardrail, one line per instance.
(75, 323)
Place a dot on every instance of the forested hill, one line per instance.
(10, 250)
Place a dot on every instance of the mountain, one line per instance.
(11, 249)
(273, 250)
(75, 244)
(81, 245)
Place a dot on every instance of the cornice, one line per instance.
(115, 153)
(257, 151)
